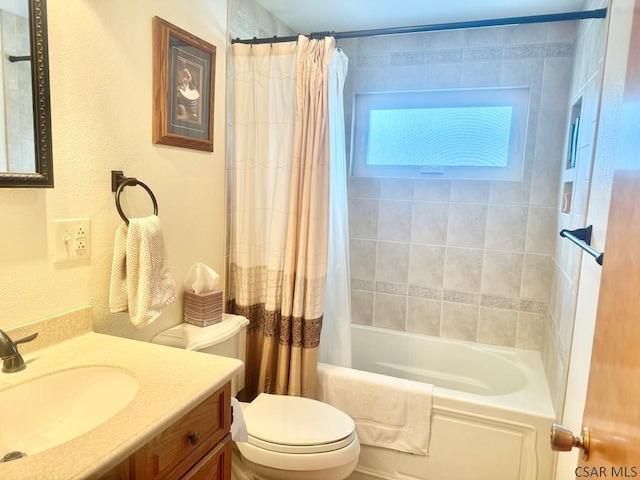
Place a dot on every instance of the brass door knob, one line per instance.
(563, 440)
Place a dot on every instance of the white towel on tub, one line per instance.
(388, 412)
(141, 281)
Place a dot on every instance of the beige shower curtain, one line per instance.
(279, 209)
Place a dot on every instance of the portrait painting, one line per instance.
(184, 71)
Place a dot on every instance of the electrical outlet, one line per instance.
(81, 245)
(71, 240)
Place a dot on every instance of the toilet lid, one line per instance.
(296, 424)
(191, 337)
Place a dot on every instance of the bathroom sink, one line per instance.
(53, 409)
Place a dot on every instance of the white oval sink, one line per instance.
(50, 410)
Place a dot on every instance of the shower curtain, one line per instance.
(279, 209)
(335, 340)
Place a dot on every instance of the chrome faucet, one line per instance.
(13, 361)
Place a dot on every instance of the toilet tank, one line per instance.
(227, 338)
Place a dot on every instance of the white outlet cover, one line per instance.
(65, 236)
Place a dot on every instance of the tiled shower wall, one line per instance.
(464, 259)
(579, 180)
(18, 107)
(248, 19)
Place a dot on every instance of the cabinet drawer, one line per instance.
(216, 465)
(172, 453)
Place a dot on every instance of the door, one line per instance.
(612, 411)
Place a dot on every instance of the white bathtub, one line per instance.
(491, 408)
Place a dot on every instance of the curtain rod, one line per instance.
(553, 17)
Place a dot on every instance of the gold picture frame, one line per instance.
(183, 88)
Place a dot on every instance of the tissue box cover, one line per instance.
(203, 309)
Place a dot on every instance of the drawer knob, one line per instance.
(194, 438)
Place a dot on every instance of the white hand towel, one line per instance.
(388, 412)
(141, 281)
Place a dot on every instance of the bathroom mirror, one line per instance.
(25, 115)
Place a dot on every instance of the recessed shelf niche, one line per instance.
(567, 194)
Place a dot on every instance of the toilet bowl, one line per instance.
(289, 438)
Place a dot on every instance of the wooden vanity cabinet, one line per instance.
(197, 446)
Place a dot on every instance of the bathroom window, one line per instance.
(465, 133)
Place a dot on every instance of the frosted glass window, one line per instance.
(456, 137)
(451, 133)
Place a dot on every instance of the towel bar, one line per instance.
(119, 181)
(582, 238)
(21, 58)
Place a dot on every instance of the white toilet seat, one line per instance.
(296, 421)
(298, 434)
(302, 449)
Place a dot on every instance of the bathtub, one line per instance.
(491, 408)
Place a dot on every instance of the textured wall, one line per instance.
(101, 100)
(463, 259)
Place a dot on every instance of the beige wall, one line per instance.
(463, 259)
(101, 100)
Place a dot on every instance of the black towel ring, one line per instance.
(119, 181)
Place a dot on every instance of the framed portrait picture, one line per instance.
(183, 88)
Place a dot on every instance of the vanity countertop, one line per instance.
(171, 382)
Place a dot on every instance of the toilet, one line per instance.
(290, 438)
